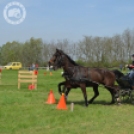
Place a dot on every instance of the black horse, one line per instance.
(123, 80)
(79, 76)
(125, 86)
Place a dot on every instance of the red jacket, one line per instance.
(131, 66)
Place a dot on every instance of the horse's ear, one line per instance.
(57, 50)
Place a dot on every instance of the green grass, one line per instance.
(25, 112)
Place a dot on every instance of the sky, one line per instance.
(54, 20)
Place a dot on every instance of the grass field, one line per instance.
(25, 112)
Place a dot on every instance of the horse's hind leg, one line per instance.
(96, 93)
(113, 98)
(112, 94)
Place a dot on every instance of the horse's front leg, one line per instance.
(67, 92)
(83, 88)
(59, 86)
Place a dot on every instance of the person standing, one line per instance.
(36, 66)
(33, 66)
(131, 73)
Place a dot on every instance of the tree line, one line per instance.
(90, 51)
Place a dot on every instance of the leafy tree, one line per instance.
(32, 51)
(10, 52)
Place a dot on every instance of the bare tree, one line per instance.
(98, 49)
(118, 48)
(106, 50)
(127, 42)
(85, 48)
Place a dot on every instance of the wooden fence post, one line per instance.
(27, 77)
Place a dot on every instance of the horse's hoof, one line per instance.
(60, 93)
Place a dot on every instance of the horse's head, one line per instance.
(57, 59)
(117, 73)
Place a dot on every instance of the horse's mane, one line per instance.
(70, 59)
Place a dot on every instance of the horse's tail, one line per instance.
(118, 74)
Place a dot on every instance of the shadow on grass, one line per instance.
(83, 102)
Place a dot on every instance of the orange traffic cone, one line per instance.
(35, 72)
(62, 103)
(51, 99)
(45, 73)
